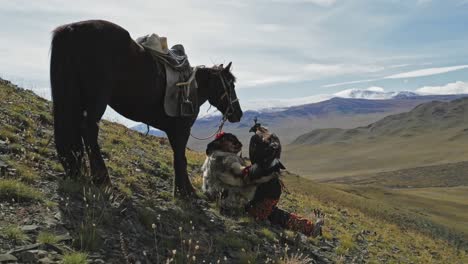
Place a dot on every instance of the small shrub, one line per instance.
(14, 233)
(75, 258)
(88, 238)
(47, 238)
(268, 233)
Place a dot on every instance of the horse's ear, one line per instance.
(228, 67)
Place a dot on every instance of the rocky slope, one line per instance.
(45, 219)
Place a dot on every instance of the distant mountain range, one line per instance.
(337, 112)
(432, 133)
(142, 128)
(429, 117)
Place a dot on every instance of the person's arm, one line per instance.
(258, 174)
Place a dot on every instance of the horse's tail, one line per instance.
(67, 106)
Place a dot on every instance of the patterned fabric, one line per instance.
(300, 224)
(262, 210)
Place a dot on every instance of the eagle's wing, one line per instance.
(253, 147)
(276, 145)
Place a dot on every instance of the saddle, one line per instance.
(180, 97)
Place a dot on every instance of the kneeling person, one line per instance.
(253, 189)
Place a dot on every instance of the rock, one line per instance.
(3, 167)
(39, 253)
(24, 248)
(64, 237)
(45, 260)
(4, 258)
(50, 247)
(29, 228)
(27, 257)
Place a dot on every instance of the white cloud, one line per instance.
(450, 88)
(345, 83)
(339, 69)
(324, 3)
(426, 72)
(307, 72)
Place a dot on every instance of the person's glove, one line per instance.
(256, 172)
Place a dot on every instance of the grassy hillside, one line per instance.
(432, 133)
(45, 219)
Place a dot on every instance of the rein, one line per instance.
(224, 119)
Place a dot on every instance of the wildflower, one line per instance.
(194, 258)
(180, 229)
(174, 251)
(153, 226)
(197, 247)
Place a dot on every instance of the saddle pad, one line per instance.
(177, 101)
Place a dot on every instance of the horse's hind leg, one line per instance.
(90, 132)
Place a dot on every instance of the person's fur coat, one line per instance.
(224, 180)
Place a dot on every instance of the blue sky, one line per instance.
(281, 49)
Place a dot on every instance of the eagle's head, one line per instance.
(254, 128)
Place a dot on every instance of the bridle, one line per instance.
(229, 110)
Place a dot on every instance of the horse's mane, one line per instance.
(217, 68)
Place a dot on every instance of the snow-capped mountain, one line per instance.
(277, 105)
(373, 93)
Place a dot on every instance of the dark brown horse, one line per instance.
(95, 64)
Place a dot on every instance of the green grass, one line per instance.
(267, 233)
(364, 157)
(47, 238)
(18, 191)
(14, 233)
(75, 258)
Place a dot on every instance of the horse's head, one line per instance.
(223, 95)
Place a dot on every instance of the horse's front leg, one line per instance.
(182, 184)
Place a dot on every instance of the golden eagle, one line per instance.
(265, 147)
